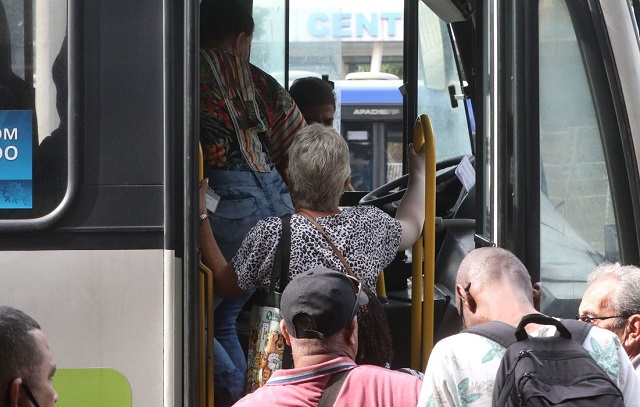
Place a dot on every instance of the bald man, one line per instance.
(493, 285)
(612, 301)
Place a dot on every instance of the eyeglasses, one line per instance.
(30, 394)
(461, 311)
(586, 318)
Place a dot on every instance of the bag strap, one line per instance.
(498, 331)
(505, 335)
(579, 330)
(326, 236)
(330, 393)
(280, 270)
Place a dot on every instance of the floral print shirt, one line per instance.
(462, 368)
(247, 120)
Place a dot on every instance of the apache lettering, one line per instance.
(376, 112)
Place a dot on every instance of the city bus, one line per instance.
(533, 104)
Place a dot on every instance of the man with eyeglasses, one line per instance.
(493, 285)
(319, 322)
(26, 362)
(612, 301)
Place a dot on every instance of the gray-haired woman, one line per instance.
(318, 173)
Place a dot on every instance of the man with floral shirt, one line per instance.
(493, 285)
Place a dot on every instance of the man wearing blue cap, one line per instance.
(319, 322)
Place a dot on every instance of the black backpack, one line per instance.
(548, 371)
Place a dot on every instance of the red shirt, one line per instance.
(365, 386)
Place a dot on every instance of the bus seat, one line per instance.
(95, 387)
(455, 246)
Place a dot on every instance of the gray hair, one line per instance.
(318, 168)
(486, 265)
(20, 355)
(626, 298)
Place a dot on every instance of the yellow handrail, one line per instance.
(381, 286)
(206, 334)
(422, 274)
(206, 311)
(416, 305)
(429, 234)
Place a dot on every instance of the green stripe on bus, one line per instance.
(95, 387)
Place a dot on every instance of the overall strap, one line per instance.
(337, 251)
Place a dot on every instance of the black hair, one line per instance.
(312, 91)
(19, 352)
(374, 335)
(220, 19)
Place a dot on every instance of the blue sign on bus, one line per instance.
(16, 159)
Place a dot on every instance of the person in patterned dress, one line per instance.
(247, 123)
(462, 368)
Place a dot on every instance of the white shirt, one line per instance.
(462, 368)
(636, 365)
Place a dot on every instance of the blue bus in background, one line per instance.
(369, 113)
(370, 117)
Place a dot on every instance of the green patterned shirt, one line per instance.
(462, 368)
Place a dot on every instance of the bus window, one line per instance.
(268, 44)
(578, 227)
(340, 39)
(33, 113)
(436, 72)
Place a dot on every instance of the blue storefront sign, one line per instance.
(16, 159)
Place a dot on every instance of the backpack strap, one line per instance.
(330, 393)
(505, 334)
(579, 330)
(498, 331)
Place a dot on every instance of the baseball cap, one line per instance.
(326, 301)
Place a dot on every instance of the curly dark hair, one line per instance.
(374, 336)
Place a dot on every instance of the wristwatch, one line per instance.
(203, 217)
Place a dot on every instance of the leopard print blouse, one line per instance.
(367, 237)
